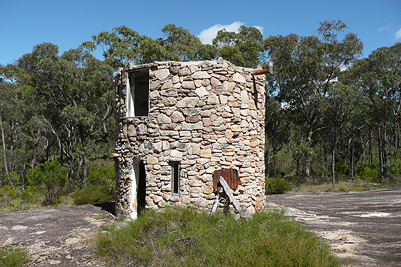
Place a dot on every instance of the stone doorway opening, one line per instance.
(138, 189)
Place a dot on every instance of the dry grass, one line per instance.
(342, 186)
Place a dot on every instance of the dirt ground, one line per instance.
(363, 228)
(55, 236)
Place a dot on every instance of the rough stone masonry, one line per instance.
(178, 122)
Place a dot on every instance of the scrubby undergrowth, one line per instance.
(342, 186)
(13, 257)
(188, 237)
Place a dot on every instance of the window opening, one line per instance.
(138, 93)
(175, 176)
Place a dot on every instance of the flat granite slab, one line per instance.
(55, 236)
(363, 228)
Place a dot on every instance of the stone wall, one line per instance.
(206, 115)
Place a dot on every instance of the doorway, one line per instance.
(138, 189)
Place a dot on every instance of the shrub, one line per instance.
(369, 172)
(101, 186)
(14, 257)
(51, 179)
(277, 186)
(394, 169)
(189, 237)
(103, 175)
(92, 194)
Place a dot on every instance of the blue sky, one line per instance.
(26, 23)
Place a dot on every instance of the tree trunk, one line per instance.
(384, 150)
(4, 152)
(379, 146)
(267, 162)
(352, 160)
(370, 148)
(333, 164)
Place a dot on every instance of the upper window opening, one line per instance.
(138, 93)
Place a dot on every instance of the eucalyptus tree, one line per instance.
(339, 110)
(123, 45)
(277, 131)
(306, 68)
(242, 48)
(7, 99)
(379, 77)
(72, 97)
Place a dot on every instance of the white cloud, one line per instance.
(260, 28)
(387, 28)
(398, 34)
(206, 36)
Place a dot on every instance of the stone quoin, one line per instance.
(177, 123)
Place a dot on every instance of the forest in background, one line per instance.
(330, 114)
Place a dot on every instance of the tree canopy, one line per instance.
(330, 114)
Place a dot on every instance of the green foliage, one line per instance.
(51, 180)
(7, 192)
(92, 194)
(342, 186)
(394, 170)
(189, 237)
(277, 186)
(369, 172)
(301, 155)
(10, 200)
(100, 188)
(244, 48)
(13, 257)
(16, 205)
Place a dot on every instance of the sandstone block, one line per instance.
(131, 131)
(188, 85)
(152, 160)
(162, 119)
(200, 75)
(201, 91)
(208, 190)
(177, 116)
(188, 102)
(206, 153)
(161, 74)
(213, 99)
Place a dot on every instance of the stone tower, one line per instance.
(177, 123)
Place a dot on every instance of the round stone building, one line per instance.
(180, 122)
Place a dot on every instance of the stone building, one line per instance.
(179, 122)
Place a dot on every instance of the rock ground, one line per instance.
(363, 228)
(55, 236)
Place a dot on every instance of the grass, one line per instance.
(13, 257)
(189, 237)
(342, 186)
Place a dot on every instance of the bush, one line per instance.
(14, 257)
(51, 179)
(103, 175)
(277, 186)
(394, 170)
(101, 187)
(369, 172)
(189, 237)
(92, 194)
